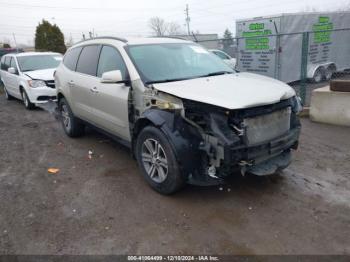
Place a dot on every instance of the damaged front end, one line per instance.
(212, 143)
(256, 140)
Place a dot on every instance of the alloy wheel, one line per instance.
(65, 117)
(154, 160)
(25, 99)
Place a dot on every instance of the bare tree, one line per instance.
(174, 29)
(158, 26)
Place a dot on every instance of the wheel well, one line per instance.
(332, 67)
(139, 125)
(59, 97)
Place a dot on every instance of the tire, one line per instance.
(28, 105)
(329, 73)
(72, 126)
(159, 167)
(7, 96)
(318, 75)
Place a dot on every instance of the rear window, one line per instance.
(88, 60)
(71, 58)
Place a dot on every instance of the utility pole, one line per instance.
(14, 38)
(188, 19)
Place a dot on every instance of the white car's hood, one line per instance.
(232, 91)
(46, 74)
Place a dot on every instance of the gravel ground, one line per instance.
(103, 206)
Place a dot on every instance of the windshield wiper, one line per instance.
(167, 80)
(187, 78)
(217, 73)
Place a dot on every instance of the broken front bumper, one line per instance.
(262, 159)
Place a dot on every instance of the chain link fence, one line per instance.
(305, 60)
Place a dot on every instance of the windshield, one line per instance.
(158, 63)
(38, 62)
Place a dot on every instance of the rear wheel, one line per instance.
(157, 161)
(7, 95)
(329, 72)
(72, 126)
(29, 105)
(318, 75)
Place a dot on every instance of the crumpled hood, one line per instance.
(46, 74)
(231, 91)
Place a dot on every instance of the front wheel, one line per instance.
(71, 125)
(318, 75)
(29, 105)
(157, 161)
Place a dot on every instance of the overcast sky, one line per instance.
(130, 17)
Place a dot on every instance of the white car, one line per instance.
(225, 57)
(186, 115)
(30, 76)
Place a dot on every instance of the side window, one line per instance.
(88, 59)
(13, 64)
(110, 59)
(221, 55)
(71, 58)
(7, 62)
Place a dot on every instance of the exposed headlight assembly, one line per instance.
(36, 83)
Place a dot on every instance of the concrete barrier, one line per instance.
(330, 107)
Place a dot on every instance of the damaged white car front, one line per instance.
(218, 122)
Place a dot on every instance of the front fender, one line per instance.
(183, 137)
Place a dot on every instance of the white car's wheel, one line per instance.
(7, 95)
(28, 105)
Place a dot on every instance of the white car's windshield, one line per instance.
(38, 62)
(159, 63)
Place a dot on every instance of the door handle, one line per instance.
(94, 90)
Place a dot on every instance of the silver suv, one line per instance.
(186, 115)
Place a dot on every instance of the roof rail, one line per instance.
(171, 37)
(105, 37)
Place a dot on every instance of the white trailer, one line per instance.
(272, 46)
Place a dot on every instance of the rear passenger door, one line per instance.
(84, 80)
(110, 100)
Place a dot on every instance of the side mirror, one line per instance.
(112, 77)
(12, 70)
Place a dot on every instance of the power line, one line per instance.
(94, 9)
